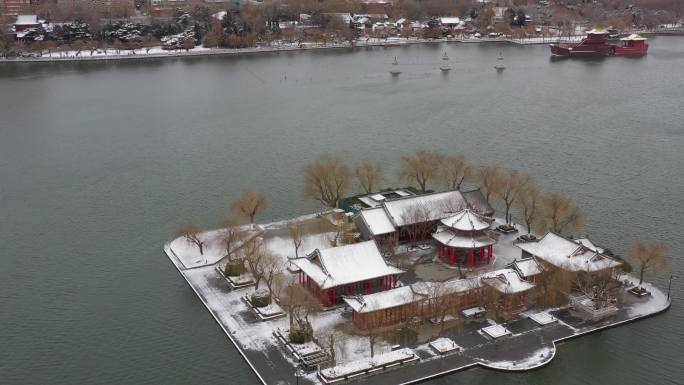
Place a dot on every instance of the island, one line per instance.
(402, 285)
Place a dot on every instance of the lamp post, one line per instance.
(298, 373)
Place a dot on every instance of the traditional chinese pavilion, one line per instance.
(463, 240)
(346, 270)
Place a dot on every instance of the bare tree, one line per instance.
(344, 234)
(421, 167)
(649, 255)
(254, 255)
(369, 176)
(598, 286)
(192, 234)
(529, 200)
(490, 179)
(326, 181)
(562, 214)
(295, 229)
(454, 171)
(299, 304)
(271, 267)
(416, 223)
(371, 340)
(249, 205)
(512, 184)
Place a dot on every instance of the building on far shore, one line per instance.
(352, 269)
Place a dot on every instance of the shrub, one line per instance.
(233, 269)
(297, 336)
(260, 298)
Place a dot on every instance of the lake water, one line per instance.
(99, 164)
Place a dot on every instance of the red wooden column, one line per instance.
(471, 258)
(489, 256)
(395, 280)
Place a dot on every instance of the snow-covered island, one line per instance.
(399, 287)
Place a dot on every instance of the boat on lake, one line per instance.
(499, 66)
(445, 67)
(395, 71)
(596, 45)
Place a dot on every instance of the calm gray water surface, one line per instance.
(99, 163)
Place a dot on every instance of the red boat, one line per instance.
(595, 45)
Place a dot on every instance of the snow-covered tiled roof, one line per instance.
(467, 220)
(586, 242)
(567, 254)
(377, 221)
(477, 202)
(452, 286)
(26, 20)
(346, 264)
(382, 300)
(449, 20)
(462, 241)
(436, 206)
(409, 294)
(526, 267)
(506, 281)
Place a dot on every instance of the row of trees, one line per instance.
(328, 180)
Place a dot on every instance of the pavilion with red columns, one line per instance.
(463, 240)
(354, 269)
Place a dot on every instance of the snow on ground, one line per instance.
(368, 363)
(214, 248)
(283, 246)
(653, 303)
(538, 358)
(110, 52)
(229, 308)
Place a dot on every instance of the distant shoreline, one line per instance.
(202, 52)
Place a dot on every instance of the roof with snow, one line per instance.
(405, 295)
(377, 221)
(526, 267)
(449, 20)
(382, 300)
(345, 264)
(506, 281)
(27, 20)
(467, 220)
(462, 241)
(477, 202)
(386, 215)
(432, 207)
(567, 254)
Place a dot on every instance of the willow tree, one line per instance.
(529, 202)
(490, 179)
(326, 181)
(421, 167)
(192, 234)
(369, 176)
(562, 214)
(454, 171)
(512, 184)
(249, 205)
(649, 255)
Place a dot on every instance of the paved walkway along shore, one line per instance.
(530, 346)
